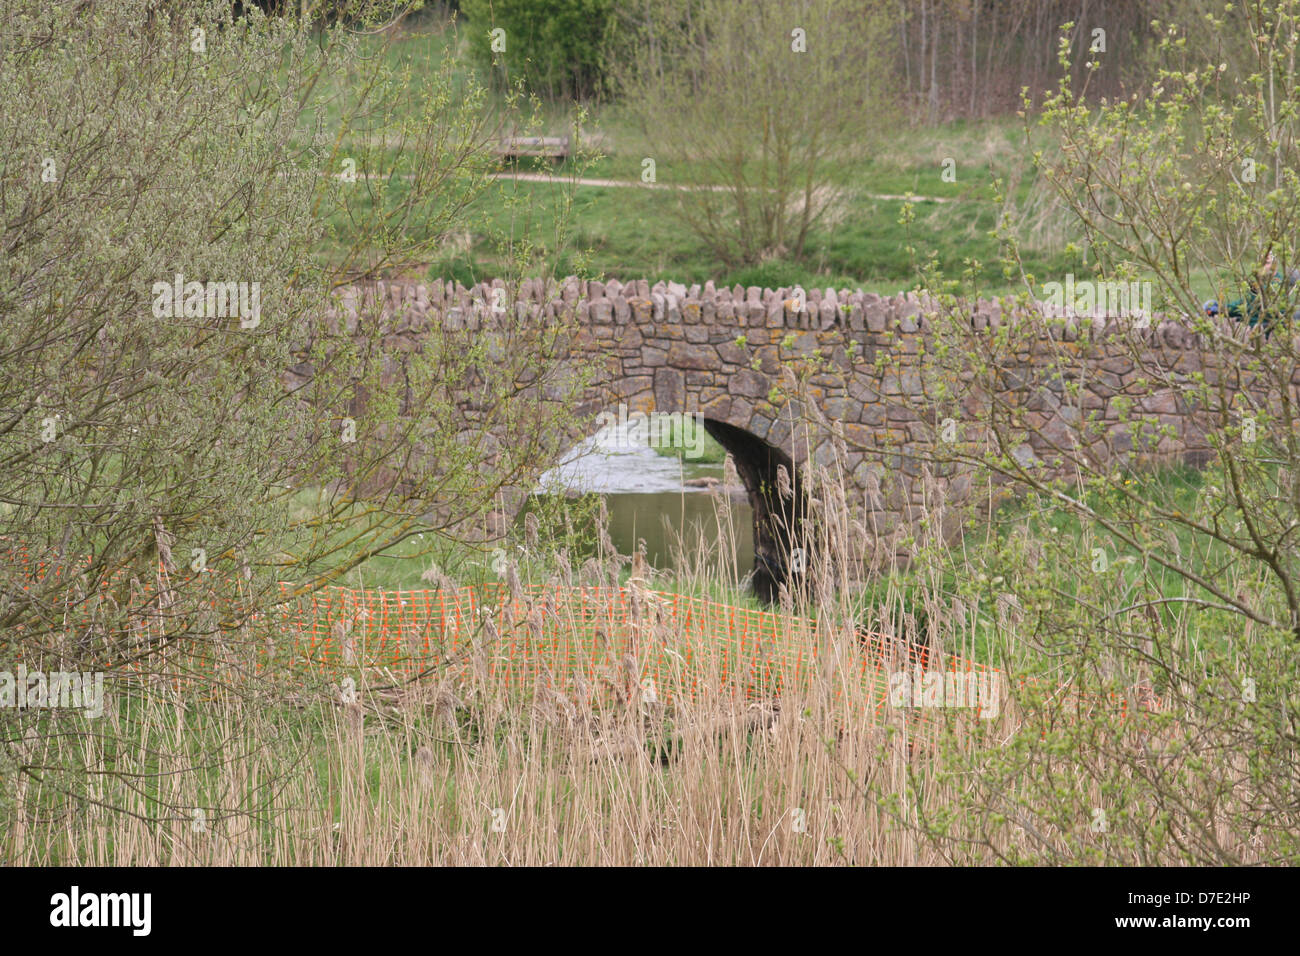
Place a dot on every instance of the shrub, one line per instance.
(558, 48)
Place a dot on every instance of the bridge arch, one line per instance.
(784, 545)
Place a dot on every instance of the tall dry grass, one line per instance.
(707, 765)
(464, 772)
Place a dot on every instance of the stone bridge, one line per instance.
(868, 408)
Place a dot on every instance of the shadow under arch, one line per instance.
(783, 540)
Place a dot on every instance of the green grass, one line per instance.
(639, 233)
(684, 437)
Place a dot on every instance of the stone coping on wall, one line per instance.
(611, 302)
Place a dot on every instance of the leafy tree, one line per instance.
(1132, 577)
(557, 48)
(756, 110)
(158, 477)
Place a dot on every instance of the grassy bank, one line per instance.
(636, 232)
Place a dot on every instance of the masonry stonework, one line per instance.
(864, 360)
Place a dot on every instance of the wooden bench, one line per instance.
(552, 147)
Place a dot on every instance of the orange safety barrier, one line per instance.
(590, 643)
(585, 642)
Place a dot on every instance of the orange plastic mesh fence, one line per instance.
(589, 643)
(594, 643)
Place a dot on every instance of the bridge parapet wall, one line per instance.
(870, 364)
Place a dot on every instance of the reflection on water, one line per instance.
(691, 517)
(648, 498)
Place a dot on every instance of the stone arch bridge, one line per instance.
(863, 410)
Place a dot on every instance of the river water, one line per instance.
(650, 498)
